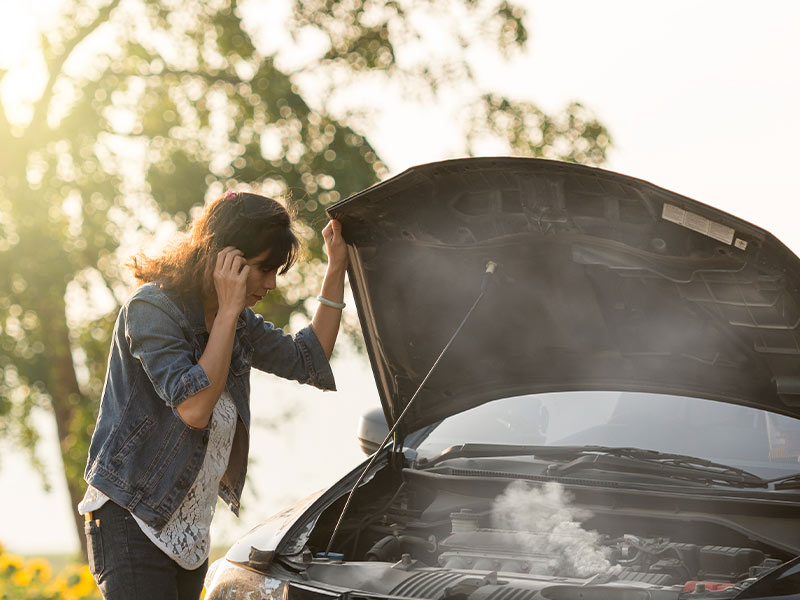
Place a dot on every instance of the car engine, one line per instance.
(424, 544)
(631, 558)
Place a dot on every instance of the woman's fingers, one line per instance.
(220, 260)
(237, 262)
(334, 243)
(226, 262)
(230, 278)
(221, 255)
(332, 230)
(230, 258)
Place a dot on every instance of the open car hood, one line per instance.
(605, 282)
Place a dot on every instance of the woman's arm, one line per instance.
(230, 277)
(304, 356)
(326, 320)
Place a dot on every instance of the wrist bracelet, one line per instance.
(331, 303)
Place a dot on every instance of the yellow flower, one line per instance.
(34, 579)
(40, 569)
(22, 577)
(73, 577)
(9, 563)
(86, 586)
(57, 586)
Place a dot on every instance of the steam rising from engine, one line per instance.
(545, 523)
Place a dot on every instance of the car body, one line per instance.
(618, 416)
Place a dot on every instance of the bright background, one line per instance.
(701, 98)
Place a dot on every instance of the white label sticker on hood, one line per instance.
(698, 223)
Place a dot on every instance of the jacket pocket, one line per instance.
(132, 440)
(94, 547)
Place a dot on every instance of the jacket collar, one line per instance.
(193, 309)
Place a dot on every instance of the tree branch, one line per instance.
(212, 78)
(56, 65)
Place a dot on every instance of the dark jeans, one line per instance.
(127, 565)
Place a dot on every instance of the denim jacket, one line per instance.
(143, 455)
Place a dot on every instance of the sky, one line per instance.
(701, 98)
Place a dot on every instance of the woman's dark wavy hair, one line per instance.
(250, 222)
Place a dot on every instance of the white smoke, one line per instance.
(548, 525)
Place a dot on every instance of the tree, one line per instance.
(151, 107)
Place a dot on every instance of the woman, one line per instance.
(173, 427)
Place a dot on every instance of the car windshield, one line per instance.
(763, 443)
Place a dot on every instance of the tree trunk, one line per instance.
(66, 397)
(76, 489)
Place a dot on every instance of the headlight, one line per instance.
(228, 581)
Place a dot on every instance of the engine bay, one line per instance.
(452, 538)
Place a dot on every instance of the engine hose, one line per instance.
(391, 547)
(371, 518)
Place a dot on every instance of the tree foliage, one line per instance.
(151, 107)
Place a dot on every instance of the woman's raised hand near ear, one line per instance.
(230, 280)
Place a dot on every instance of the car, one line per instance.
(592, 390)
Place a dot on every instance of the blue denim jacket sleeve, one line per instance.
(157, 340)
(300, 357)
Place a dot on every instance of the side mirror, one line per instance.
(372, 430)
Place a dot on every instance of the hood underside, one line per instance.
(605, 282)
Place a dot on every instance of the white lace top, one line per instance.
(185, 537)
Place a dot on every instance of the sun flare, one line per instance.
(20, 57)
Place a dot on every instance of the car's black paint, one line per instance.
(597, 289)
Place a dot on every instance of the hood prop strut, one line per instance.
(487, 275)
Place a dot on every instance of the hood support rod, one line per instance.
(487, 275)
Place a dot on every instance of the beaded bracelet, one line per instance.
(331, 303)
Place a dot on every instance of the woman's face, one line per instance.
(259, 281)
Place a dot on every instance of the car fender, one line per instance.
(265, 537)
